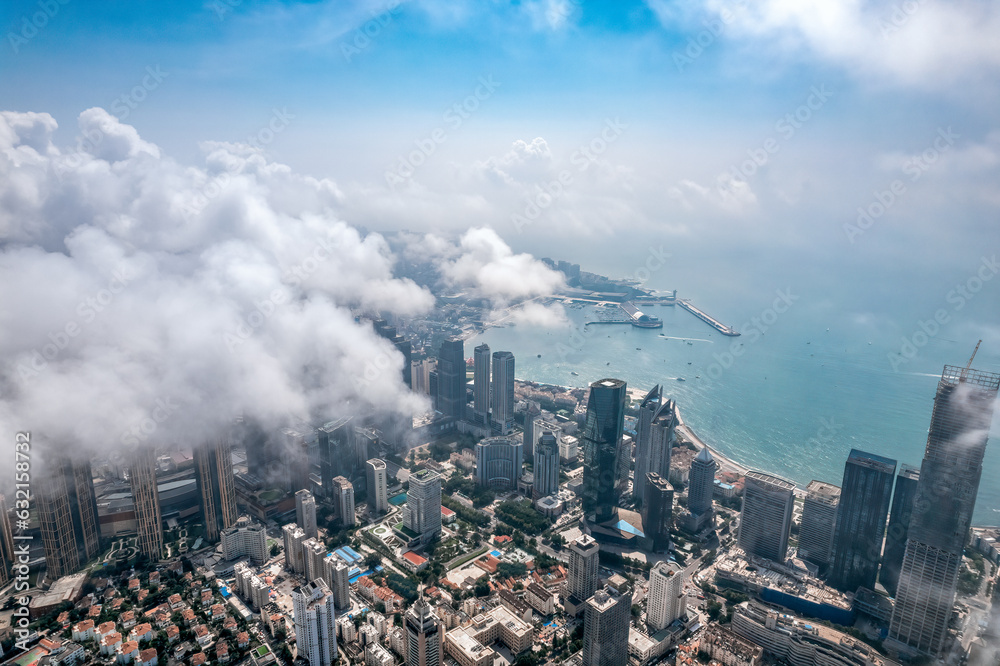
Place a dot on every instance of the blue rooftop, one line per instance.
(628, 527)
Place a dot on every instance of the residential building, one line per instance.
(819, 518)
(343, 500)
(293, 537)
(67, 514)
(378, 486)
(729, 648)
(245, 538)
(581, 582)
(315, 628)
(213, 463)
(766, 518)
(142, 477)
(667, 601)
(305, 513)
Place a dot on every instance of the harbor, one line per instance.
(711, 321)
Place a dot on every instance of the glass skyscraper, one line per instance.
(602, 433)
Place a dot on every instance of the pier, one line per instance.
(711, 321)
(630, 314)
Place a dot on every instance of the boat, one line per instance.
(575, 374)
(689, 362)
(691, 343)
(680, 379)
(539, 356)
(638, 348)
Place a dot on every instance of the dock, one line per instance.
(630, 314)
(711, 321)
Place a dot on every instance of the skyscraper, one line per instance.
(701, 486)
(305, 513)
(378, 486)
(451, 379)
(898, 528)
(942, 510)
(582, 580)
(657, 512)
(502, 392)
(423, 635)
(402, 345)
(819, 519)
(343, 500)
(213, 463)
(654, 438)
(602, 434)
(142, 478)
(667, 601)
(67, 512)
(864, 505)
(422, 512)
(262, 458)
(297, 460)
(315, 626)
(546, 469)
(766, 519)
(498, 462)
(336, 452)
(481, 384)
(605, 628)
(336, 574)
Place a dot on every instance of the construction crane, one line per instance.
(965, 371)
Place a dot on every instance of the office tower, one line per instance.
(420, 375)
(819, 519)
(451, 379)
(365, 441)
(653, 439)
(402, 345)
(305, 513)
(343, 500)
(142, 478)
(378, 486)
(701, 485)
(335, 572)
(861, 515)
(481, 385)
(422, 512)
(898, 528)
(667, 601)
(946, 496)
(315, 623)
(423, 635)
(336, 452)
(498, 462)
(605, 628)
(213, 464)
(502, 392)
(262, 458)
(67, 513)
(297, 460)
(546, 468)
(293, 537)
(601, 435)
(583, 555)
(657, 512)
(766, 519)
(623, 459)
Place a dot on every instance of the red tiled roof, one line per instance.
(410, 556)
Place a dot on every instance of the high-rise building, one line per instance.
(262, 459)
(605, 628)
(653, 440)
(819, 518)
(378, 486)
(67, 513)
(451, 380)
(245, 538)
(315, 622)
(864, 506)
(766, 519)
(701, 485)
(546, 468)
(305, 513)
(583, 557)
(657, 512)
(422, 512)
(336, 452)
(297, 460)
(336, 574)
(314, 552)
(498, 462)
(602, 434)
(423, 635)
(213, 463)
(293, 537)
(142, 478)
(667, 601)
(898, 528)
(343, 500)
(946, 495)
(502, 392)
(403, 346)
(481, 384)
